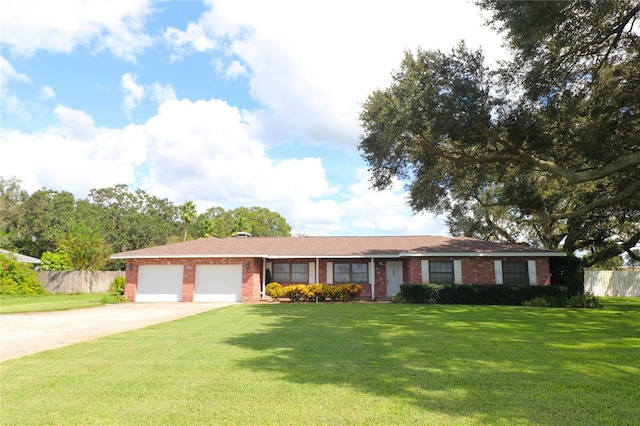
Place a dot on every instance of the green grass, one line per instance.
(312, 364)
(50, 302)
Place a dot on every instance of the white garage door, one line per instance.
(218, 283)
(159, 283)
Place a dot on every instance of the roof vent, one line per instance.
(243, 234)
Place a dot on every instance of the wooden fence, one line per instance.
(78, 281)
(612, 283)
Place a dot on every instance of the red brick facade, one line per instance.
(475, 270)
(251, 277)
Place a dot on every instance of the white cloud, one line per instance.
(194, 39)
(10, 102)
(133, 92)
(73, 156)
(74, 124)
(8, 72)
(311, 65)
(161, 93)
(200, 151)
(46, 93)
(235, 69)
(116, 26)
(386, 212)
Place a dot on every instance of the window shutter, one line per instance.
(329, 272)
(424, 266)
(457, 271)
(312, 272)
(533, 277)
(497, 266)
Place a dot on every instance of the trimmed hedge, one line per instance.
(467, 294)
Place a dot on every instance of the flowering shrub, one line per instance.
(343, 292)
(348, 292)
(314, 292)
(274, 290)
(297, 292)
(318, 292)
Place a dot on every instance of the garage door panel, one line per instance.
(218, 283)
(159, 283)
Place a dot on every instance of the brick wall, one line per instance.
(251, 278)
(478, 270)
(474, 271)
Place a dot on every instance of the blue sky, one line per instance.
(226, 103)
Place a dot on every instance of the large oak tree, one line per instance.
(543, 149)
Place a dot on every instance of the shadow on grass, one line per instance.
(491, 364)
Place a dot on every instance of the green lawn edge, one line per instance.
(49, 302)
(344, 364)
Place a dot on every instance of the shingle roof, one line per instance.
(297, 247)
(22, 258)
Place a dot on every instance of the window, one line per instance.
(515, 273)
(290, 272)
(441, 272)
(351, 273)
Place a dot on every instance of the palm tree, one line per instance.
(188, 214)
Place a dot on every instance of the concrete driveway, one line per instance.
(26, 334)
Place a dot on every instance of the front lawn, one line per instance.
(361, 363)
(50, 302)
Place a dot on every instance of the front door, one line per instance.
(394, 277)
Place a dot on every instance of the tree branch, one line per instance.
(613, 250)
(519, 156)
(602, 202)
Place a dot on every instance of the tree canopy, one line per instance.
(543, 149)
(80, 234)
(258, 221)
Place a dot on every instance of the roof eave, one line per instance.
(183, 256)
(343, 256)
(485, 254)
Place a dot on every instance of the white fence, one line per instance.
(69, 282)
(612, 283)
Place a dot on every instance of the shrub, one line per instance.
(576, 301)
(314, 292)
(345, 292)
(466, 294)
(538, 301)
(55, 262)
(420, 293)
(117, 286)
(331, 292)
(318, 292)
(17, 278)
(297, 292)
(117, 292)
(274, 290)
(352, 291)
(584, 301)
(398, 298)
(113, 299)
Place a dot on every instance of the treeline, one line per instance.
(70, 233)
